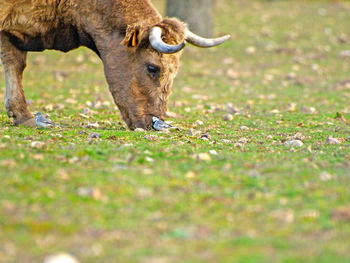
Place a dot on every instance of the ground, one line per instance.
(229, 189)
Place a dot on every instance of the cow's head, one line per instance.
(141, 69)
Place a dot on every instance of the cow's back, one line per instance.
(31, 17)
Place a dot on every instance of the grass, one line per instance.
(123, 198)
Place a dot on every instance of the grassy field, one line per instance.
(229, 189)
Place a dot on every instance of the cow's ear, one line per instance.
(132, 37)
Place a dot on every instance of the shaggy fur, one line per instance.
(32, 17)
(117, 30)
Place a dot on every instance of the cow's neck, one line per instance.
(89, 22)
(63, 38)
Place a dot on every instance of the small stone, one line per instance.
(71, 101)
(228, 117)
(244, 128)
(80, 59)
(93, 192)
(60, 258)
(331, 140)
(48, 107)
(341, 214)
(84, 115)
(231, 109)
(37, 145)
(294, 143)
(275, 111)
(166, 131)
(322, 11)
(205, 137)
(291, 76)
(291, 106)
(226, 141)
(149, 159)
(151, 137)
(147, 152)
(232, 73)
(310, 213)
(227, 61)
(92, 125)
(239, 145)
(84, 191)
(144, 192)
(324, 176)
(95, 135)
(38, 157)
(106, 103)
(62, 174)
(147, 171)
(8, 163)
(253, 173)
(87, 111)
(203, 157)
(190, 175)
(250, 50)
(269, 137)
(243, 140)
(344, 53)
(286, 216)
(171, 114)
(198, 122)
(309, 149)
(140, 130)
(213, 152)
(74, 159)
(298, 136)
(306, 109)
(193, 132)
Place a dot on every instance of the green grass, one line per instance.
(256, 201)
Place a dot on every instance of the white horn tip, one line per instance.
(205, 42)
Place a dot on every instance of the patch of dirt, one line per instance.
(341, 214)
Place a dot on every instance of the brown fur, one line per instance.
(31, 17)
(105, 26)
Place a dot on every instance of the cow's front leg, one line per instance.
(14, 62)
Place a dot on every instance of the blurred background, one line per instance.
(227, 187)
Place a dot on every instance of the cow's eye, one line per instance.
(154, 70)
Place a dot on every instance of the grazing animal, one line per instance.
(139, 49)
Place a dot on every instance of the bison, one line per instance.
(139, 49)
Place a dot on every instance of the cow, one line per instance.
(139, 49)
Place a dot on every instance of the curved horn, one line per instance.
(155, 38)
(205, 42)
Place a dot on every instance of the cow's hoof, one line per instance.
(27, 123)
